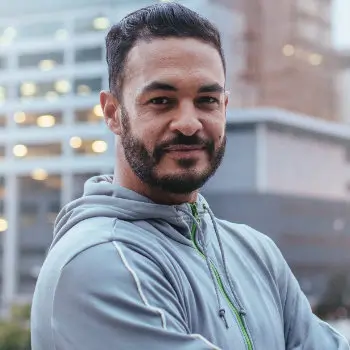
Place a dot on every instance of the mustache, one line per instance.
(181, 139)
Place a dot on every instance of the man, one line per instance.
(140, 261)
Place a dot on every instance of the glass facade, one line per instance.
(51, 74)
(52, 68)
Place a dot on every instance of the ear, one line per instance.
(110, 107)
(227, 93)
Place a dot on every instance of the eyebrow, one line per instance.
(211, 88)
(158, 85)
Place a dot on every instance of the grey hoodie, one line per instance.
(126, 273)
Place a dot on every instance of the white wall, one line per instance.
(301, 164)
(343, 92)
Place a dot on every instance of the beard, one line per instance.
(144, 163)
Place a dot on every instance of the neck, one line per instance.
(124, 176)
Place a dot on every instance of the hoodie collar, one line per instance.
(103, 198)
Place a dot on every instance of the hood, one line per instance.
(103, 198)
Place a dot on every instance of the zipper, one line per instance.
(240, 320)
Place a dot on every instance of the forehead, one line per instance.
(181, 61)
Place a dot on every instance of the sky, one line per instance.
(341, 23)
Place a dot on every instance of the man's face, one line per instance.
(173, 113)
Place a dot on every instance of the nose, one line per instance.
(186, 120)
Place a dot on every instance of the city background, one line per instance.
(287, 167)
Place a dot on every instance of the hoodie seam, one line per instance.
(137, 281)
(146, 303)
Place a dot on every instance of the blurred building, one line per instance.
(52, 134)
(288, 176)
(283, 174)
(343, 85)
(289, 56)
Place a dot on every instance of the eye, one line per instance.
(208, 100)
(160, 101)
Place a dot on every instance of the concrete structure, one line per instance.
(343, 85)
(289, 56)
(52, 135)
(288, 175)
(284, 174)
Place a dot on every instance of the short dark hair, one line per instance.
(156, 21)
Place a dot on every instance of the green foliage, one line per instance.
(14, 332)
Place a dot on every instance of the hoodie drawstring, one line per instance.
(230, 282)
(221, 309)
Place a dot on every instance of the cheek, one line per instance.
(147, 133)
(216, 129)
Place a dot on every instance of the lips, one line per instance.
(184, 148)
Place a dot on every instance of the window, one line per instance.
(44, 60)
(3, 93)
(44, 119)
(28, 214)
(52, 211)
(88, 55)
(87, 86)
(37, 151)
(49, 90)
(3, 62)
(3, 120)
(92, 24)
(44, 30)
(89, 147)
(2, 193)
(43, 193)
(90, 116)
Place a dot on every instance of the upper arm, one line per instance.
(110, 297)
(303, 330)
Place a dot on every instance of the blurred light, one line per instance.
(28, 89)
(39, 174)
(2, 93)
(100, 23)
(84, 90)
(47, 65)
(98, 111)
(46, 121)
(51, 95)
(315, 59)
(20, 150)
(99, 146)
(3, 225)
(61, 34)
(62, 86)
(75, 142)
(19, 117)
(10, 33)
(288, 50)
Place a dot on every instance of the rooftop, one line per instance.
(280, 117)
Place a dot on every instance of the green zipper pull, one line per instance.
(194, 211)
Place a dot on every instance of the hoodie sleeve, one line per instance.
(112, 297)
(302, 329)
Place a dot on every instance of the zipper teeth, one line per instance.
(219, 281)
